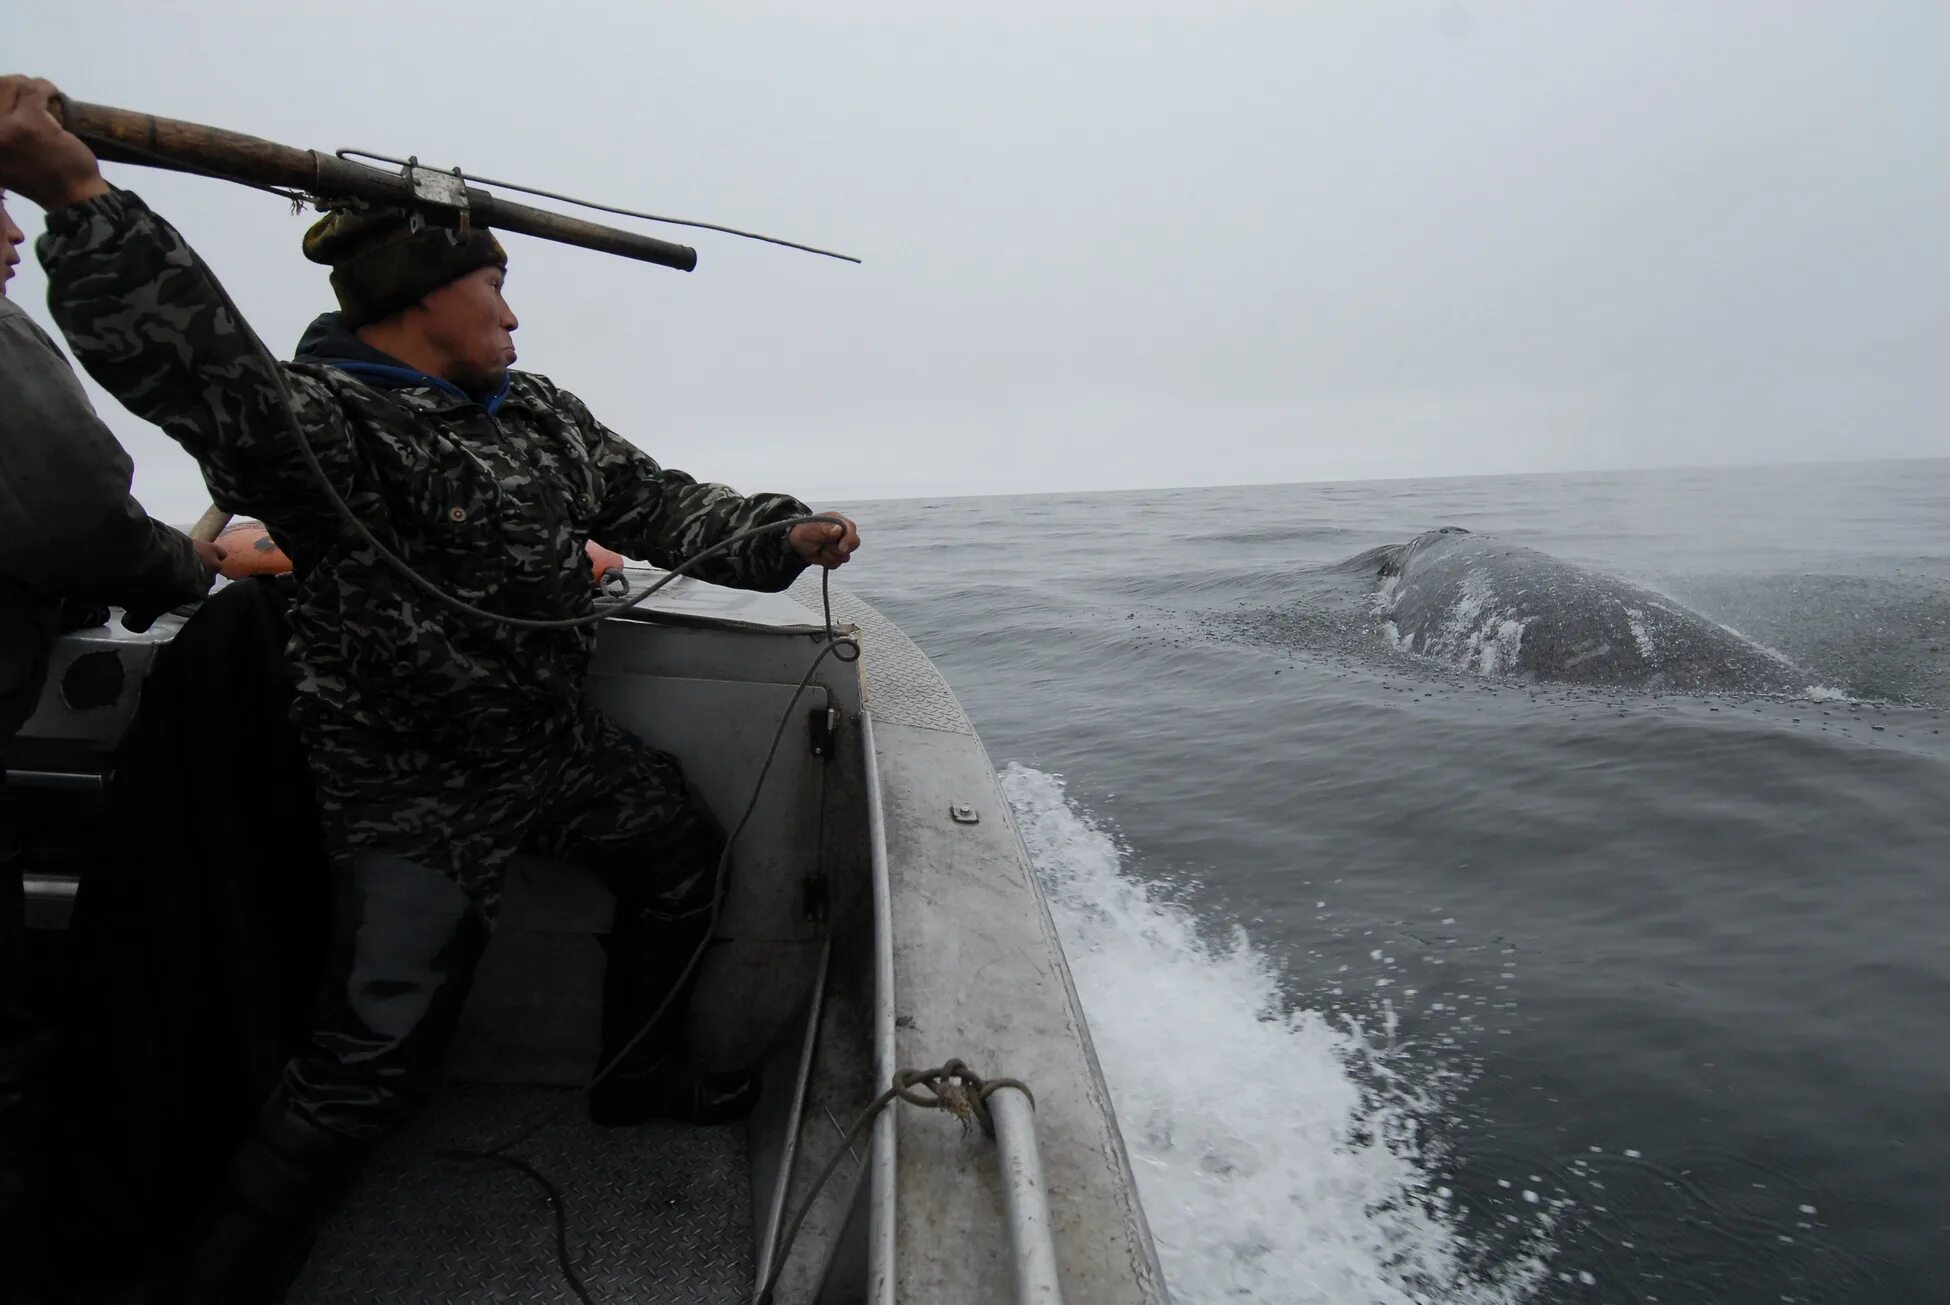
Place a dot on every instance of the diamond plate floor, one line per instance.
(657, 1213)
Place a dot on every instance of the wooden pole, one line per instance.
(209, 525)
(125, 136)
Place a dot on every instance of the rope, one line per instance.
(557, 1203)
(954, 1087)
(288, 409)
(838, 645)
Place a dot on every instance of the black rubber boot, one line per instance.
(404, 944)
(255, 1235)
(648, 952)
(245, 1255)
(652, 945)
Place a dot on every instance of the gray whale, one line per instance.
(1499, 608)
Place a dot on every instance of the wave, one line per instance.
(1281, 1155)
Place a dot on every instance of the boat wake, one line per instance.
(1281, 1154)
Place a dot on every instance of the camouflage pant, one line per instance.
(590, 792)
(406, 937)
(623, 808)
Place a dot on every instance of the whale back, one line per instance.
(1383, 561)
(1493, 607)
(1389, 559)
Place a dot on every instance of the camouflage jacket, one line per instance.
(403, 703)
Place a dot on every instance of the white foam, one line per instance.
(1280, 1156)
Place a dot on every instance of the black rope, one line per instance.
(557, 1203)
(289, 410)
(837, 646)
(288, 405)
(836, 642)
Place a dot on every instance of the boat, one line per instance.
(883, 929)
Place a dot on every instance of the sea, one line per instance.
(1417, 984)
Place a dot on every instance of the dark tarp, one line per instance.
(196, 942)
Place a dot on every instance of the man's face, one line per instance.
(471, 326)
(11, 237)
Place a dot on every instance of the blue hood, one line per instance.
(328, 341)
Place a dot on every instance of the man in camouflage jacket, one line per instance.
(440, 743)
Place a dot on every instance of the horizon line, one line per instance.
(1391, 479)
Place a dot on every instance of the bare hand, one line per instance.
(211, 555)
(824, 543)
(38, 157)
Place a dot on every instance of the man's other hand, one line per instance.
(38, 157)
(137, 620)
(826, 544)
(211, 555)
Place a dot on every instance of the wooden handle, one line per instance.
(209, 525)
(125, 136)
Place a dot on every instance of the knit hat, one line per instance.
(380, 265)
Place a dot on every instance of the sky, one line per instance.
(1133, 245)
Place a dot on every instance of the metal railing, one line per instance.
(1011, 1109)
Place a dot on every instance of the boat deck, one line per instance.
(656, 1213)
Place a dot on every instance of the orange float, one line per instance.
(248, 549)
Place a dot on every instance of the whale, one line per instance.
(1496, 608)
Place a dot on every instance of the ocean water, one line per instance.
(1417, 984)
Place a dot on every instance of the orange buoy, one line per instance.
(248, 549)
(602, 559)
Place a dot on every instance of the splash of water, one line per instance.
(1280, 1156)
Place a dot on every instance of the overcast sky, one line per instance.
(1119, 246)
